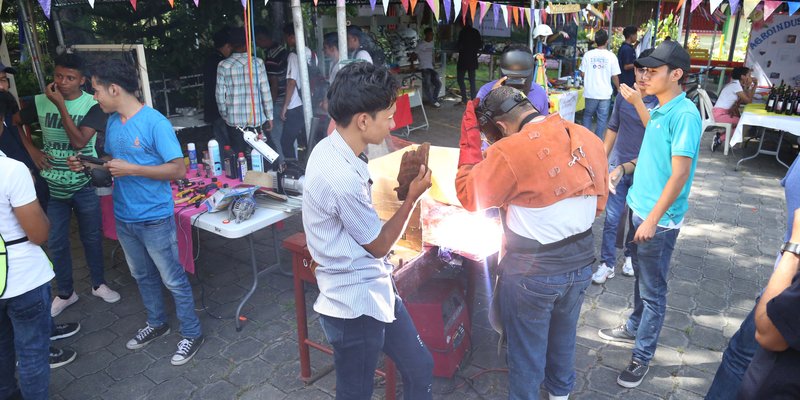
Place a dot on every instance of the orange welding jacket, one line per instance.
(547, 161)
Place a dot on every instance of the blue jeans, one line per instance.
(151, 249)
(735, 360)
(25, 338)
(599, 107)
(357, 344)
(540, 317)
(431, 85)
(651, 268)
(615, 209)
(86, 206)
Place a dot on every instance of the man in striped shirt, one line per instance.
(360, 312)
(238, 105)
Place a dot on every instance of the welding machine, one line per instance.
(441, 315)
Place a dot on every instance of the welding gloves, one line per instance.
(409, 168)
(470, 142)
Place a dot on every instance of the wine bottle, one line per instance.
(779, 102)
(791, 104)
(771, 100)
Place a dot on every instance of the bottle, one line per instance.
(791, 104)
(797, 106)
(192, 156)
(256, 161)
(229, 162)
(771, 100)
(214, 159)
(779, 102)
(242, 166)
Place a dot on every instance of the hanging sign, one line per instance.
(563, 8)
(772, 50)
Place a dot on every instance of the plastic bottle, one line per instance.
(242, 161)
(256, 161)
(229, 162)
(214, 157)
(192, 156)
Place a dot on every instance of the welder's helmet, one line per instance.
(517, 66)
(490, 109)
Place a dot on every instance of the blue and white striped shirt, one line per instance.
(339, 219)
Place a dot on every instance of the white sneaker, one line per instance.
(554, 397)
(60, 304)
(627, 268)
(603, 273)
(104, 292)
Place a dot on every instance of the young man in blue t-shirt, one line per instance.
(144, 155)
(658, 199)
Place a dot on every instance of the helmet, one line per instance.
(517, 66)
(542, 30)
(487, 115)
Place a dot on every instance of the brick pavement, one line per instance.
(723, 257)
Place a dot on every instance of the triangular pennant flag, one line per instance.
(45, 7)
(434, 5)
(749, 6)
(769, 7)
(172, 3)
(734, 6)
(528, 16)
(484, 9)
(244, 4)
(713, 5)
(405, 5)
(695, 3)
(793, 6)
(413, 6)
(457, 8)
(463, 12)
(447, 8)
(496, 12)
(680, 4)
(515, 13)
(473, 4)
(197, 3)
(315, 2)
(91, 3)
(133, 3)
(385, 6)
(371, 5)
(504, 10)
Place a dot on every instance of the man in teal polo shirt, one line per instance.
(658, 199)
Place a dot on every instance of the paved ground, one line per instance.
(723, 257)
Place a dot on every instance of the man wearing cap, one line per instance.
(549, 178)
(658, 199)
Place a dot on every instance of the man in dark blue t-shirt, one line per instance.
(626, 55)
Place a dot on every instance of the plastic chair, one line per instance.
(707, 116)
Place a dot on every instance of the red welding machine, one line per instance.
(441, 315)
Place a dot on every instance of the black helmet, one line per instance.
(517, 65)
(487, 114)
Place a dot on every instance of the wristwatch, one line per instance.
(791, 247)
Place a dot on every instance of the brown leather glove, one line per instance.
(409, 168)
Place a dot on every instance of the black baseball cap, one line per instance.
(669, 52)
(7, 70)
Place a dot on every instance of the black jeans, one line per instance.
(431, 85)
(294, 128)
(460, 77)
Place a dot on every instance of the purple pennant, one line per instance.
(496, 12)
(695, 3)
(734, 6)
(447, 7)
(45, 7)
(372, 4)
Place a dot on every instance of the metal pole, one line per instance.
(318, 34)
(655, 28)
(305, 89)
(680, 25)
(59, 32)
(688, 29)
(341, 29)
(611, 20)
(530, 35)
(32, 42)
(735, 33)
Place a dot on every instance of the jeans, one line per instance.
(277, 128)
(540, 317)
(599, 107)
(735, 360)
(431, 85)
(357, 344)
(294, 129)
(86, 206)
(615, 209)
(25, 338)
(151, 250)
(650, 269)
(460, 77)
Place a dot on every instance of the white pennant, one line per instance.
(714, 4)
(91, 3)
(385, 7)
(504, 9)
(456, 9)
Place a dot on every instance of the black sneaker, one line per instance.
(61, 357)
(618, 334)
(65, 330)
(146, 335)
(632, 376)
(187, 348)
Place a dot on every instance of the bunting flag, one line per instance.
(484, 9)
(91, 3)
(405, 5)
(172, 3)
(734, 6)
(315, 2)
(749, 6)
(528, 16)
(447, 7)
(793, 6)
(371, 5)
(680, 4)
(197, 3)
(515, 14)
(713, 5)
(244, 3)
(504, 10)
(695, 3)
(133, 3)
(463, 12)
(413, 6)
(434, 5)
(45, 4)
(473, 4)
(385, 6)
(769, 7)
(496, 12)
(457, 8)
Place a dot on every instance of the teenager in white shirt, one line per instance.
(599, 69)
(738, 91)
(430, 78)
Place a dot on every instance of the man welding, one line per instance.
(549, 178)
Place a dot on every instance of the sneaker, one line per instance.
(603, 273)
(551, 396)
(618, 334)
(187, 348)
(632, 376)
(104, 292)
(65, 330)
(146, 335)
(61, 357)
(627, 268)
(436, 104)
(60, 304)
(716, 142)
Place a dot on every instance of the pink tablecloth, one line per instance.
(183, 219)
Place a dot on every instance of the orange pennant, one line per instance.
(472, 5)
(413, 6)
(515, 14)
(171, 3)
